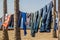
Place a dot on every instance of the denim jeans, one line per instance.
(48, 21)
(37, 16)
(23, 15)
(42, 28)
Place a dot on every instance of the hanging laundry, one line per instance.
(37, 22)
(49, 17)
(32, 25)
(7, 20)
(21, 23)
(48, 21)
(41, 13)
(23, 15)
(28, 20)
(42, 28)
(11, 24)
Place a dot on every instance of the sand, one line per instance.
(38, 36)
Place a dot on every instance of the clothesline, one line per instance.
(40, 19)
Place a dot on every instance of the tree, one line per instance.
(54, 18)
(16, 28)
(59, 20)
(5, 32)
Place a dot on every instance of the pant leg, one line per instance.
(32, 26)
(36, 23)
(24, 25)
(47, 27)
(48, 23)
(42, 28)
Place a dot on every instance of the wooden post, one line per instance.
(16, 28)
(54, 17)
(5, 33)
(59, 19)
(4, 9)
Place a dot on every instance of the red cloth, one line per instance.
(6, 23)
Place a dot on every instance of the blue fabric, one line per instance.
(48, 23)
(41, 12)
(37, 22)
(42, 28)
(46, 18)
(20, 16)
(49, 17)
(12, 20)
(23, 15)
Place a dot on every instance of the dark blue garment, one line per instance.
(11, 24)
(11, 20)
(44, 17)
(23, 15)
(49, 17)
(37, 22)
(41, 12)
(48, 21)
(20, 16)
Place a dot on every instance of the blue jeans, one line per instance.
(42, 28)
(48, 21)
(23, 15)
(36, 23)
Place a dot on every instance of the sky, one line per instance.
(25, 5)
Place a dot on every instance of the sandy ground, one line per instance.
(39, 36)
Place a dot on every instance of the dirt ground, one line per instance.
(39, 36)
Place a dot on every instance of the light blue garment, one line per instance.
(21, 22)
